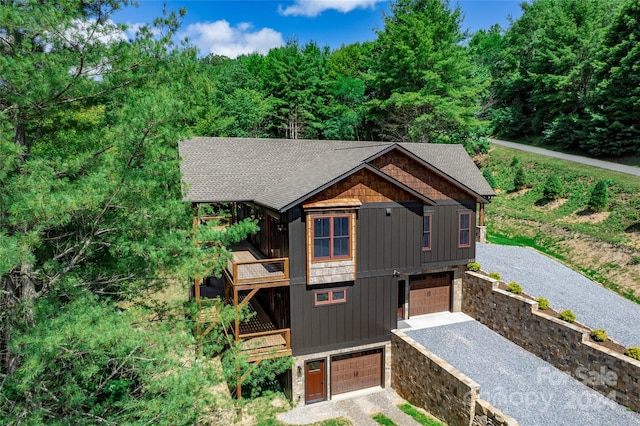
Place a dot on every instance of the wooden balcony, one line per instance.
(260, 338)
(248, 269)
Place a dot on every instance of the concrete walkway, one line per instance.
(358, 407)
(569, 157)
(541, 276)
(517, 382)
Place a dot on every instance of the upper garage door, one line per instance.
(430, 293)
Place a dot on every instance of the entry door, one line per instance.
(315, 388)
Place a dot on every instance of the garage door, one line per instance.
(430, 293)
(356, 371)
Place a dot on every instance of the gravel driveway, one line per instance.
(539, 275)
(517, 382)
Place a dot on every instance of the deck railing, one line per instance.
(259, 271)
(266, 344)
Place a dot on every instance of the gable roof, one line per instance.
(279, 172)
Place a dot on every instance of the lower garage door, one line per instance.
(430, 293)
(356, 371)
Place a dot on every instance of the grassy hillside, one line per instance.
(604, 246)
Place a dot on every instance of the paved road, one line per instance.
(575, 158)
(517, 382)
(541, 276)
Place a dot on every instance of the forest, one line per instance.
(92, 220)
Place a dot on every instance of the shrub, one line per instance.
(514, 287)
(473, 266)
(519, 180)
(495, 275)
(553, 188)
(488, 176)
(599, 335)
(515, 162)
(633, 352)
(567, 315)
(542, 303)
(599, 199)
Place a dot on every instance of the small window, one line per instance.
(328, 297)
(426, 232)
(331, 237)
(464, 230)
(314, 366)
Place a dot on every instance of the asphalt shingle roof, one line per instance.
(278, 172)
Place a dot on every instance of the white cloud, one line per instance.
(313, 8)
(221, 38)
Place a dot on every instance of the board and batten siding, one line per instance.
(394, 242)
(368, 316)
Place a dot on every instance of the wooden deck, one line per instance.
(248, 267)
(260, 337)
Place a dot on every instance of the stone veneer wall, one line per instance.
(429, 382)
(566, 346)
(488, 415)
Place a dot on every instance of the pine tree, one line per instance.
(519, 179)
(553, 188)
(599, 199)
(614, 107)
(488, 176)
(425, 83)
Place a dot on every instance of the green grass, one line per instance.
(383, 420)
(524, 219)
(418, 416)
(578, 180)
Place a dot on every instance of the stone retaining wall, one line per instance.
(429, 382)
(566, 346)
(488, 415)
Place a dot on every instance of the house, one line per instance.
(354, 236)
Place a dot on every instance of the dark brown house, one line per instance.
(354, 236)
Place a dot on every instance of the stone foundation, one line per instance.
(565, 346)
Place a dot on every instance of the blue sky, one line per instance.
(232, 28)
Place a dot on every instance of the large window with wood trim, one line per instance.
(331, 237)
(464, 229)
(426, 231)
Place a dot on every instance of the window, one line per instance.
(426, 232)
(464, 230)
(331, 238)
(328, 297)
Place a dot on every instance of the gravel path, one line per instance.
(569, 157)
(359, 409)
(539, 275)
(517, 382)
